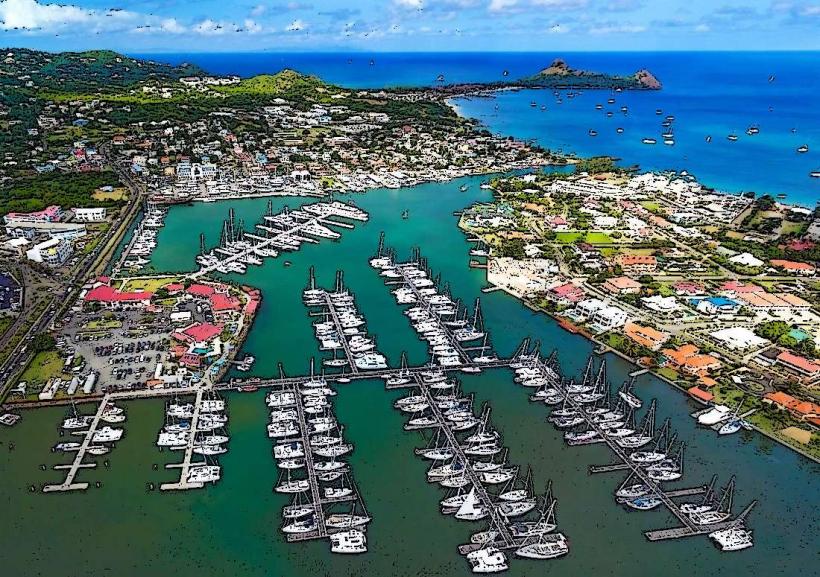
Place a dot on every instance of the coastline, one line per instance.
(603, 348)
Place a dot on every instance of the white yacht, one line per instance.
(106, 435)
(204, 474)
(487, 560)
(352, 541)
(732, 539)
(715, 415)
(544, 546)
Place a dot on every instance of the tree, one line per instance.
(43, 342)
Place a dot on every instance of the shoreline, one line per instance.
(603, 349)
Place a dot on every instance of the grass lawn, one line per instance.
(147, 284)
(44, 366)
(590, 237)
(651, 206)
(103, 324)
(5, 323)
(116, 194)
(670, 374)
(788, 226)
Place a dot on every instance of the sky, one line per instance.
(145, 26)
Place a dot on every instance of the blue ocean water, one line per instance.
(709, 93)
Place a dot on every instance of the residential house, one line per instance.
(622, 285)
(647, 337)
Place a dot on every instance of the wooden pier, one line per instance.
(184, 467)
(68, 484)
(688, 527)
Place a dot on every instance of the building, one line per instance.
(49, 214)
(774, 302)
(802, 410)
(808, 369)
(567, 294)
(738, 338)
(53, 252)
(647, 337)
(29, 230)
(637, 264)
(96, 214)
(746, 259)
(609, 318)
(793, 267)
(622, 285)
(714, 305)
(689, 359)
(112, 298)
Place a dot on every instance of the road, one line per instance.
(58, 302)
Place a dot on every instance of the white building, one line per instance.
(90, 214)
(747, 259)
(53, 252)
(738, 338)
(609, 318)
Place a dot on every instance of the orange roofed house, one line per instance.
(645, 336)
(690, 360)
(637, 264)
(808, 369)
(802, 410)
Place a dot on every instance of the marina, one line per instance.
(137, 253)
(283, 231)
(198, 430)
(358, 403)
(96, 440)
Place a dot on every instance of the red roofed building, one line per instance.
(111, 298)
(737, 287)
(637, 264)
(688, 288)
(192, 360)
(701, 395)
(800, 365)
(568, 293)
(803, 410)
(174, 287)
(201, 290)
(222, 302)
(198, 333)
(793, 267)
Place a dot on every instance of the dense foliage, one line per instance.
(67, 190)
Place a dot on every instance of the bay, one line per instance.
(232, 528)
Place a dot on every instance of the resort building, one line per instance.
(689, 359)
(802, 410)
(49, 214)
(89, 214)
(738, 338)
(637, 264)
(53, 252)
(112, 298)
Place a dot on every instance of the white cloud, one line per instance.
(258, 10)
(252, 27)
(295, 26)
(210, 27)
(501, 5)
(703, 28)
(32, 15)
(561, 4)
(416, 4)
(172, 26)
(558, 29)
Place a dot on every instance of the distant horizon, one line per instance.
(153, 26)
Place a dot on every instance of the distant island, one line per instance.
(557, 76)
(560, 75)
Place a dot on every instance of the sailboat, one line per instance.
(472, 509)
(540, 542)
(705, 504)
(626, 393)
(668, 469)
(645, 433)
(721, 512)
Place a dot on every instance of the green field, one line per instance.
(44, 366)
(590, 237)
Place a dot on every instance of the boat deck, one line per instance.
(68, 484)
(185, 466)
